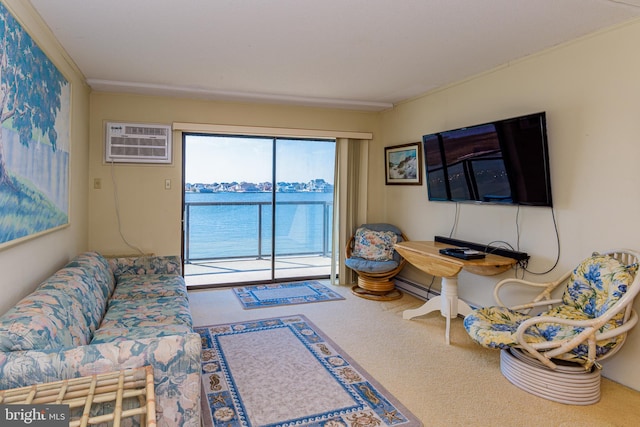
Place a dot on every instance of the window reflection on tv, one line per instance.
(500, 162)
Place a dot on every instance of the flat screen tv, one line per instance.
(502, 162)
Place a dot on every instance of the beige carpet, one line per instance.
(456, 385)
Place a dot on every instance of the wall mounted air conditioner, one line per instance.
(137, 143)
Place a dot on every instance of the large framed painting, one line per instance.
(403, 164)
(34, 137)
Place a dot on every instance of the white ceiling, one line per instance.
(364, 54)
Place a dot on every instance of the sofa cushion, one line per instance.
(169, 264)
(96, 266)
(132, 287)
(144, 318)
(84, 289)
(45, 319)
(147, 312)
(117, 334)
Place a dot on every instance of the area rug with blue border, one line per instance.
(259, 296)
(286, 372)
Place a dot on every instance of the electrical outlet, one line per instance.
(167, 184)
(97, 183)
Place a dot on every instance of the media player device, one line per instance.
(462, 253)
(487, 249)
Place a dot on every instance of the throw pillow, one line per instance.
(374, 245)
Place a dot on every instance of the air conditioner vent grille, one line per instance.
(142, 130)
(138, 143)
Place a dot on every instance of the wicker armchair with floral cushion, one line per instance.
(371, 255)
(586, 325)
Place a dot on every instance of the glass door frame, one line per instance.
(274, 207)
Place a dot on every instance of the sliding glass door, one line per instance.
(256, 209)
(303, 194)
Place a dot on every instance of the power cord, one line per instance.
(555, 264)
(433, 279)
(518, 227)
(524, 264)
(117, 207)
(489, 248)
(521, 264)
(455, 220)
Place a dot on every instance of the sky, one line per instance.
(211, 159)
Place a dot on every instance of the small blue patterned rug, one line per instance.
(286, 372)
(260, 296)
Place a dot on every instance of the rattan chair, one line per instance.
(556, 354)
(375, 276)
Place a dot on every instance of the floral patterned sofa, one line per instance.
(98, 315)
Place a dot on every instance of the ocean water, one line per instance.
(230, 224)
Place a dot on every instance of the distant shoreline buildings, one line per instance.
(318, 185)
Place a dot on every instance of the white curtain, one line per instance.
(350, 202)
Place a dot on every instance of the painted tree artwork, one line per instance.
(34, 137)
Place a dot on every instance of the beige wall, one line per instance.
(26, 264)
(150, 215)
(591, 92)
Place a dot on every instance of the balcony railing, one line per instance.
(232, 230)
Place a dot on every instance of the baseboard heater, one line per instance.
(415, 289)
(519, 256)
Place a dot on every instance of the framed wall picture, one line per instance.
(403, 164)
(34, 138)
